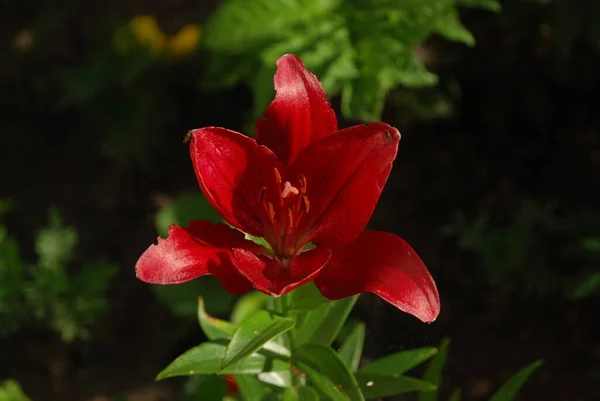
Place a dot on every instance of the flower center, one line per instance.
(284, 215)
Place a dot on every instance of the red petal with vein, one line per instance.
(231, 170)
(202, 249)
(300, 113)
(345, 174)
(271, 277)
(386, 265)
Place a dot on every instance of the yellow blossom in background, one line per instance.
(185, 40)
(145, 31)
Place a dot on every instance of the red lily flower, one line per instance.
(302, 181)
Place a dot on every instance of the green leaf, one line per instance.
(509, 390)
(212, 327)
(306, 297)
(352, 347)
(220, 329)
(210, 387)
(253, 333)
(309, 322)
(247, 305)
(491, 5)
(330, 327)
(55, 245)
(303, 393)
(449, 26)
(250, 387)
(10, 390)
(207, 358)
(184, 209)
(328, 372)
(388, 5)
(376, 385)
(400, 362)
(238, 26)
(279, 379)
(433, 374)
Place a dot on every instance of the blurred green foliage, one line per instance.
(533, 250)
(49, 292)
(360, 49)
(10, 390)
(507, 391)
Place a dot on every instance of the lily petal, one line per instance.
(345, 174)
(231, 170)
(270, 276)
(300, 113)
(202, 249)
(386, 265)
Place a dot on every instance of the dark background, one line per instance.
(521, 138)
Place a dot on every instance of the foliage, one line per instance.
(284, 350)
(520, 255)
(48, 292)
(360, 49)
(507, 392)
(10, 390)
(119, 81)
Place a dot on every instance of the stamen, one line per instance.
(306, 203)
(271, 211)
(288, 189)
(290, 218)
(302, 179)
(277, 176)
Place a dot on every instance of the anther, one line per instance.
(277, 176)
(187, 137)
(288, 189)
(271, 210)
(302, 179)
(306, 204)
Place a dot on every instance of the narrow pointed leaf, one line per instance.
(310, 321)
(509, 390)
(207, 358)
(400, 362)
(324, 384)
(253, 333)
(433, 374)
(303, 393)
(250, 387)
(212, 327)
(328, 372)
(221, 329)
(352, 347)
(331, 326)
(376, 385)
(279, 379)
